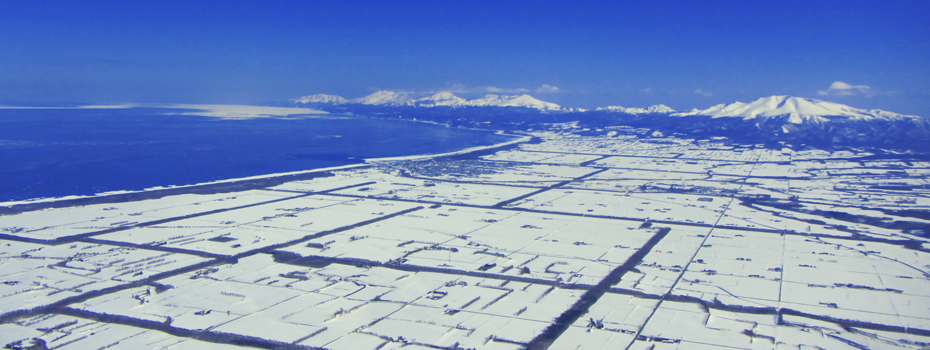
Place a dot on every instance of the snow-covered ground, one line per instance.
(674, 243)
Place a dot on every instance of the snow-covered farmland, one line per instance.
(632, 240)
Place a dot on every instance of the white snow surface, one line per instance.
(655, 109)
(798, 110)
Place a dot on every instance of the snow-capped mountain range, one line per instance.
(445, 98)
(321, 98)
(772, 119)
(656, 109)
(798, 110)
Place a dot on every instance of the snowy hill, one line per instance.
(656, 109)
(513, 101)
(798, 110)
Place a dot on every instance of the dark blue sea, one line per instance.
(60, 152)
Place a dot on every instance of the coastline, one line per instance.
(455, 153)
(227, 185)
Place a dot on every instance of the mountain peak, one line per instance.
(514, 101)
(798, 109)
(383, 97)
(442, 98)
(442, 95)
(654, 109)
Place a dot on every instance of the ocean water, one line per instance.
(59, 152)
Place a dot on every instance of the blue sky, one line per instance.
(684, 54)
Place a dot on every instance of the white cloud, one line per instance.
(499, 90)
(547, 89)
(839, 88)
(243, 112)
(455, 87)
(700, 92)
(464, 89)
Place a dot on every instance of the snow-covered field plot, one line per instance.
(708, 152)
(454, 193)
(864, 179)
(529, 157)
(442, 310)
(899, 176)
(660, 164)
(622, 186)
(871, 282)
(667, 147)
(395, 237)
(385, 187)
(811, 154)
(36, 275)
(824, 165)
(663, 266)
(611, 323)
(669, 184)
(844, 280)
(869, 218)
(537, 175)
(623, 145)
(67, 332)
(775, 188)
(787, 171)
(744, 154)
(688, 325)
(817, 219)
(640, 206)
(833, 190)
(383, 179)
(719, 152)
(736, 267)
(238, 231)
(653, 175)
(739, 216)
(252, 309)
(569, 249)
(340, 178)
(569, 159)
(740, 170)
(534, 175)
(343, 306)
(50, 224)
(923, 172)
